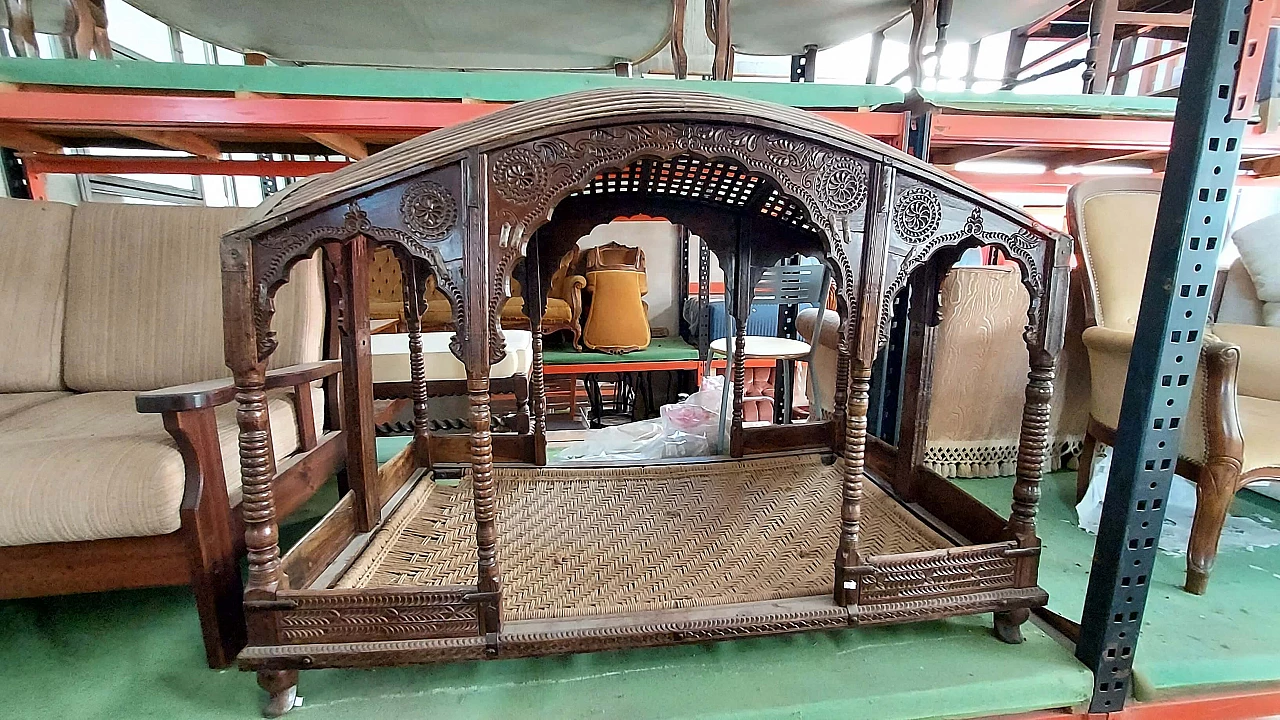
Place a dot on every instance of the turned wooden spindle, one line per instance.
(539, 382)
(739, 388)
(414, 289)
(840, 394)
(1033, 445)
(257, 470)
(848, 555)
(484, 496)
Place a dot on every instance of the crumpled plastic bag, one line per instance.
(684, 429)
(1239, 532)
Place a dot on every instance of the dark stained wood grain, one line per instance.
(357, 377)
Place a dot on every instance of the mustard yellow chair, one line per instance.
(1229, 437)
(564, 300)
(618, 319)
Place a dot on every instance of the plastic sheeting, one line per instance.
(1239, 533)
(685, 429)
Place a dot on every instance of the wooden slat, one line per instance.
(341, 144)
(180, 140)
(18, 138)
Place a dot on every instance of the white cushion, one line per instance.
(1259, 246)
(390, 361)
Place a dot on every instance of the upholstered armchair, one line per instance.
(618, 319)
(564, 303)
(564, 300)
(1229, 436)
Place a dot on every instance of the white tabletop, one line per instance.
(391, 356)
(760, 346)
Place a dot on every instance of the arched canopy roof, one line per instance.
(550, 117)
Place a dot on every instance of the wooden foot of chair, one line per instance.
(283, 688)
(1215, 489)
(1084, 473)
(1009, 625)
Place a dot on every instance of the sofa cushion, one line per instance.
(558, 311)
(144, 299)
(33, 282)
(1239, 304)
(88, 466)
(13, 403)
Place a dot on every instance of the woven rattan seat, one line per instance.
(640, 538)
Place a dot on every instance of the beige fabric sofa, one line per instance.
(1230, 437)
(100, 304)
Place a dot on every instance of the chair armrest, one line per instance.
(212, 393)
(1259, 372)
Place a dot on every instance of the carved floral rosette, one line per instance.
(917, 218)
(428, 214)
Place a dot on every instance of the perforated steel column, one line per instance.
(1175, 300)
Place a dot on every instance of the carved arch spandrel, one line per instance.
(527, 181)
(418, 218)
(927, 226)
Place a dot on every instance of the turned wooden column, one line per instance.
(414, 290)
(1033, 446)
(484, 496)
(536, 307)
(739, 362)
(258, 508)
(840, 394)
(848, 556)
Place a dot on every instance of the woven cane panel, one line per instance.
(604, 541)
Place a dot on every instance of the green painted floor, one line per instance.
(1189, 644)
(137, 654)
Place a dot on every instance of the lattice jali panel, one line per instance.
(784, 209)
(716, 181)
(940, 573)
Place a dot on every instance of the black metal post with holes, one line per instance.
(804, 67)
(15, 175)
(889, 369)
(1194, 200)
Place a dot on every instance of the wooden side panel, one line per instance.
(371, 614)
(939, 573)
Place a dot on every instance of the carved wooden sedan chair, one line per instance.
(511, 559)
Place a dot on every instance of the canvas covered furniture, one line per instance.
(979, 363)
(1230, 436)
(785, 534)
(118, 438)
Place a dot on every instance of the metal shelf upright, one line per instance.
(1189, 233)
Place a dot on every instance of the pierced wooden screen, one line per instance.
(719, 182)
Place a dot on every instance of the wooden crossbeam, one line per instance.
(18, 138)
(180, 140)
(342, 144)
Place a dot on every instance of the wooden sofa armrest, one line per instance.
(212, 393)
